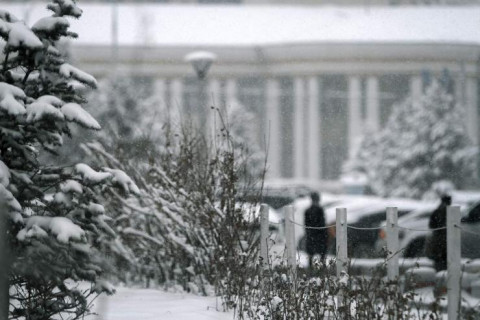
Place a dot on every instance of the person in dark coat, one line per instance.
(438, 245)
(316, 240)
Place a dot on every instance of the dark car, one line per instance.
(414, 233)
(363, 213)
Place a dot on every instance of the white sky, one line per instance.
(173, 25)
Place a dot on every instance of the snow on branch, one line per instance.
(71, 186)
(95, 208)
(9, 99)
(39, 110)
(65, 8)
(89, 175)
(7, 16)
(49, 25)
(104, 286)
(121, 179)
(4, 174)
(54, 101)
(69, 71)
(62, 228)
(14, 207)
(75, 113)
(18, 35)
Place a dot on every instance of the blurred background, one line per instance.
(317, 75)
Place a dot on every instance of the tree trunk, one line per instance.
(4, 261)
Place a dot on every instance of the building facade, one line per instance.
(312, 110)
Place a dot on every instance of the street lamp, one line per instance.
(201, 62)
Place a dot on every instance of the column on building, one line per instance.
(314, 123)
(273, 128)
(416, 87)
(471, 103)
(298, 128)
(355, 131)
(176, 100)
(160, 93)
(213, 103)
(230, 91)
(160, 89)
(373, 104)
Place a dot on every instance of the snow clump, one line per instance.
(91, 176)
(62, 228)
(75, 113)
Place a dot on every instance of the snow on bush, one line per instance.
(186, 227)
(423, 143)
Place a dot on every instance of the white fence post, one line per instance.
(453, 261)
(342, 254)
(392, 243)
(264, 236)
(290, 238)
(341, 227)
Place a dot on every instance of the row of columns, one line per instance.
(307, 138)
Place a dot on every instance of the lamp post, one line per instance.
(201, 62)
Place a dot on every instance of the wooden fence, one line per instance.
(454, 268)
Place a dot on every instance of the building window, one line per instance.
(334, 124)
(394, 88)
(286, 102)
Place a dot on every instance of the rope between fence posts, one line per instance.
(364, 228)
(271, 222)
(315, 228)
(467, 231)
(425, 230)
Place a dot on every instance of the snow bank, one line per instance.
(150, 304)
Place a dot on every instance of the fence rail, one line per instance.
(453, 228)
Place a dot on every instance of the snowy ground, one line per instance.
(151, 304)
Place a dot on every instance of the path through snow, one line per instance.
(151, 304)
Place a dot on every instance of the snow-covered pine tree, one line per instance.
(55, 221)
(424, 143)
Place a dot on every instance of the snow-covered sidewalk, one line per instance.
(151, 304)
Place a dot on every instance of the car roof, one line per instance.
(363, 206)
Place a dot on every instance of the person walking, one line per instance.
(438, 244)
(316, 239)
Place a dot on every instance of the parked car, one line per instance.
(413, 233)
(361, 241)
(277, 194)
(362, 212)
(414, 230)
